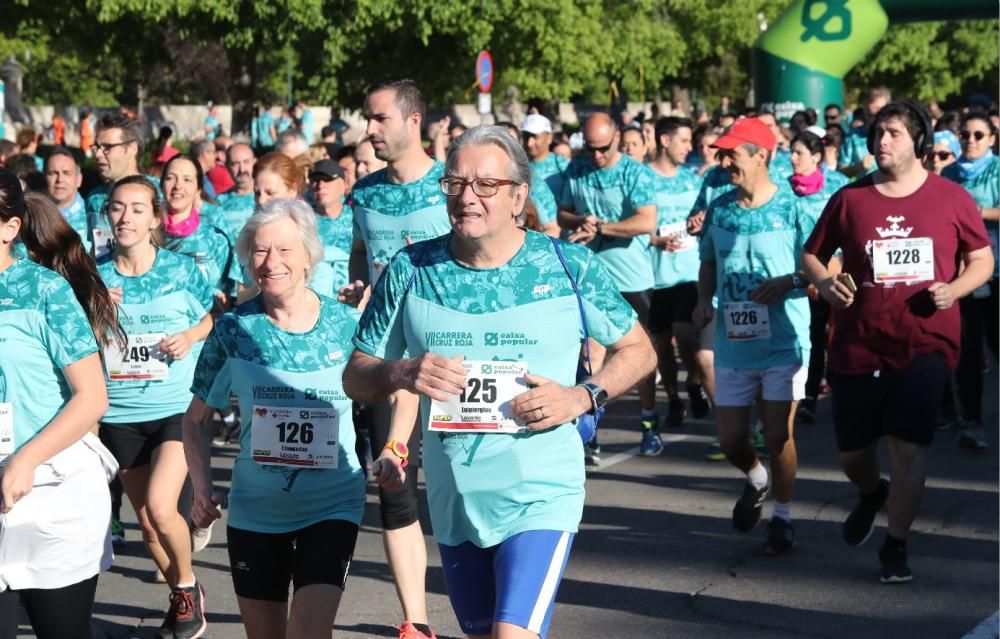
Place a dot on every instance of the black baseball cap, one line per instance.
(327, 169)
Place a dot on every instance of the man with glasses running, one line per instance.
(608, 201)
(118, 150)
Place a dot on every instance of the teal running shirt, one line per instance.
(268, 368)
(486, 488)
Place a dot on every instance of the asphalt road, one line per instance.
(657, 557)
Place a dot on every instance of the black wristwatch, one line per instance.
(797, 282)
(598, 396)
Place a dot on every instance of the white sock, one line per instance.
(190, 585)
(782, 511)
(230, 419)
(758, 476)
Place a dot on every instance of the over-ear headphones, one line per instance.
(924, 142)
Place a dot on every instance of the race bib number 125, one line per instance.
(484, 405)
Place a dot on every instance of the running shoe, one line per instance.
(409, 631)
(780, 536)
(117, 533)
(714, 452)
(746, 512)
(699, 405)
(806, 412)
(860, 523)
(592, 452)
(760, 446)
(675, 413)
(895, 569)
(200, 537)
(186, 616)
(651, 444)
(972, 436)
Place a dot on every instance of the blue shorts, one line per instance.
(514, 582)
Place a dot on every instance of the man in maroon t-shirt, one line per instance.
(903, 232)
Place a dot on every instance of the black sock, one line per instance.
(894, 542)
(422, 627)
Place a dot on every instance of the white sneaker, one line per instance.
(200, 537)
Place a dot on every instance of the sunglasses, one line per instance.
(598, 149)
(942, 155)
(965, 135)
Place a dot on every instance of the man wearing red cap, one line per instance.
(903, 232)
(750, 245)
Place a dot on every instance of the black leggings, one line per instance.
(979, 319)
(54, 613)
(398, 508)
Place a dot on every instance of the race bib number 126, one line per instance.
(484, 405)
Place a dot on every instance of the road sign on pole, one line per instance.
(484, 71)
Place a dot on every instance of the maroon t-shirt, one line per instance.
(890, 323)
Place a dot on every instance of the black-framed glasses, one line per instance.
(590, 150)
(106, 148)
(965, 135)
(483, 187)
(942, 155)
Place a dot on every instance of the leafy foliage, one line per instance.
(102, 52)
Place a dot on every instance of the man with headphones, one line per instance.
(903, 232)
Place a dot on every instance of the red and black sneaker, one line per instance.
(186, 617)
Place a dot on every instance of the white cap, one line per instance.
(818, 131)
(535, 124)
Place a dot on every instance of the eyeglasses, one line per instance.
(106, 148)
(942, 155)
(598, 149)
(965, 135)
(483, 187)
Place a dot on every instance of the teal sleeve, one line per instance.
(380, 331)
(212, 377)
(545, 202)
(642, 191)
(68, 335)
(566, 195)
(609, 316)
(701, 202)
(706, 246)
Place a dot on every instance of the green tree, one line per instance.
(932, 60)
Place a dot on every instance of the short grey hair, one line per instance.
(290, 137)
(201, 145)
(275, 211)
(486, 134)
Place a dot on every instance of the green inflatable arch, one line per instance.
(800, 62)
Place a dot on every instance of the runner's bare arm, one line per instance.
(978, 270)
(832, 290)
(642, 222)
(197, 433)
(704, 311)
(368, 378)
(550, 404)
(88, 401)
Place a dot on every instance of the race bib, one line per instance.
(746, 321)
(6, 430)
(288, 436)
(141, 359)
(678, 229)
(104, 242)
(484, 405)
(903, 260)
